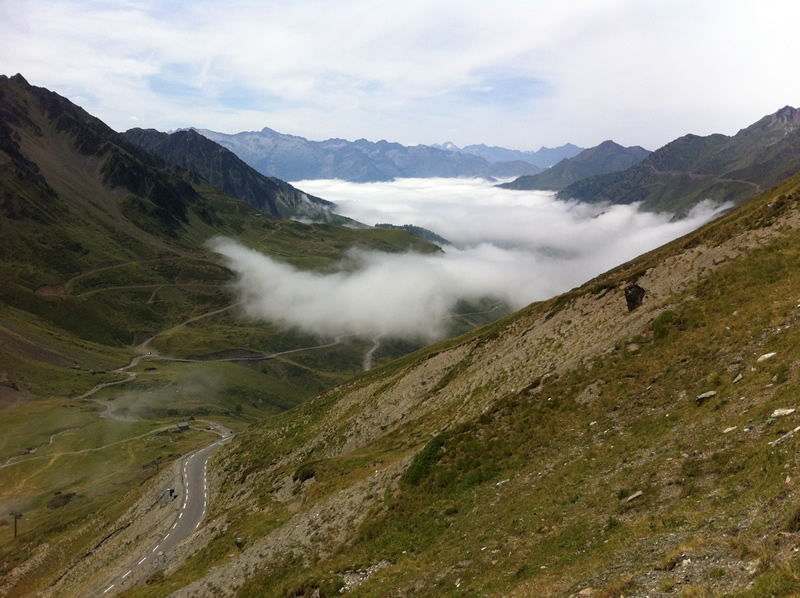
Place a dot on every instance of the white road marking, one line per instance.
(174, 525)
(165, 537)
(126, 575)
(154, 549)
(142, 561)
(108, 588)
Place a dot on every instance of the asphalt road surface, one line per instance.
(194, 503)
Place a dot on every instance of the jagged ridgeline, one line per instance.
(693, 168)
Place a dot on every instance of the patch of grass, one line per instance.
(425, 460)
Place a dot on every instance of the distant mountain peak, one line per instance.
(447, 146)
(608, 157)
(787, 118)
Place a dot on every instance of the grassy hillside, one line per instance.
(578, 446)
(103, 257)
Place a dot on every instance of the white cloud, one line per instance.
(518, 73)
(516, 246)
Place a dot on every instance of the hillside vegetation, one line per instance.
(583, 445)
(693, 168)
(103, 258)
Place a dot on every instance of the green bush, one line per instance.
(662, 324)
(425, 460)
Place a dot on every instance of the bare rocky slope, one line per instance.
(583, 446)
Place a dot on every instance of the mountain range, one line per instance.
(693, 168)
(605, 158)
(222, 168)
(295, 158)
(636, 436)
(544, 157)
(105, 244)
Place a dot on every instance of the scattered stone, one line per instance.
(353, 579)
(785, 437)
(634, 496)
(765, 356)
(634, 295)
(782, 412)
(728, 430)
(738, 379)
(700, 399)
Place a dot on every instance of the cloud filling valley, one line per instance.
(514, 246)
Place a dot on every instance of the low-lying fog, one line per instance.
(518, 246)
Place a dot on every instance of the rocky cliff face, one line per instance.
(787, 118)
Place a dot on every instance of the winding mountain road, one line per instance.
(194, 504)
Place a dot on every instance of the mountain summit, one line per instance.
(603, 159)
(693, 168)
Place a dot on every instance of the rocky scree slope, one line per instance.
(584, 445)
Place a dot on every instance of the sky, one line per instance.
(514, 73)
(513, 246)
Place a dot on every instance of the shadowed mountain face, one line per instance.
(693, 168)
(222, 168)
(295, 158)
(605, 158)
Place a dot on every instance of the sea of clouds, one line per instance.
(515, 246)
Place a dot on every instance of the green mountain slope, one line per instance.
(584, 444)
(103, 257)
(107, 241)
(221, 167)
(692, 168)
(605, 158)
